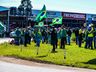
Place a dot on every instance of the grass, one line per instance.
(75, 56)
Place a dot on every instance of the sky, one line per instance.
(79, 6)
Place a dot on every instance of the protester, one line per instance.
(63, 35)
(69, 36)
(95, 38)
(90, 37)
(80, 37)
(54, 39)
(76, 35)
(18, 35)
(26, 35)
(38, 38)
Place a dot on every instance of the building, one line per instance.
(69, 19)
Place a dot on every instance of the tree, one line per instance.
(25, 8)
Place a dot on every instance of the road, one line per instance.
(8, 64)
(10, 67)
(2, 40)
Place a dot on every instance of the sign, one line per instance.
(74, 16)
(50, 14)
(91, 16)
(53, 14)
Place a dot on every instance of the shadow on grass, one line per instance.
(42, 56)
(54, 52)
(93, 61)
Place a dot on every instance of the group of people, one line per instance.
(55, 36)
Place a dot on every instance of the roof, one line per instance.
(3, 8)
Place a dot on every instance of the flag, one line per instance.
(42, 14)
(2, 27)
(41, 24)
(57, 20)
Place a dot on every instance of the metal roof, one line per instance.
(3, 8)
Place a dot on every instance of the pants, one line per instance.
(90, 39)
(63, 41)
(68, 40)
(29, 40)
(25, 42)
(43, 39)
(86, 43)
(76, 40)
(95, 42)
(38, 42)
(80, 42)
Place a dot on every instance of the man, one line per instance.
(18, 35)
(38, 38)
(68, 36)
(80, 37)
(63, 35)
(26, 35)
(95, 38)
(54, 39)
(76, 35)
(90, 36)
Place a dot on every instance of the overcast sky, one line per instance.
(82, 6)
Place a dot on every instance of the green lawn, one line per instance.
(77, 57)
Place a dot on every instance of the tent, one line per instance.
(1, 24)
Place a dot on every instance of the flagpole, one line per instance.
(46, 22)
(8, 20)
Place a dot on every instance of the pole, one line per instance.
(8, 27)
(46, 22)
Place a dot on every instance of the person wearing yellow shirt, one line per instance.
(90, 37)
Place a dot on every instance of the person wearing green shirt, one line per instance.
(63, 35)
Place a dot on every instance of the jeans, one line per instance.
(90, 39)
(43, 39)
(68, 40)
(77, 40)
(38, 42)
(95, 42)
(86, 43)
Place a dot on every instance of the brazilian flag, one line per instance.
(2, 27)
(42, 14)
(41, 24)
(57, 20)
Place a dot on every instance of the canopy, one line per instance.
(3, 8)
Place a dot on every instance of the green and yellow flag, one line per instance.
(57, 20)
(42, 14)
(2, 27)
(41, 24)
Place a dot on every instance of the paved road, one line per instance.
(10, 67)
(2, 40)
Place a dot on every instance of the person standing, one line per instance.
(30, 35)
(38, 38)
(18, 35)
(80, 37)
(69, 36)
(54, 39)
(90, 37)
(76, 35)
(26, 35)
(95, 38)
(63, 35)
(86, 38)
